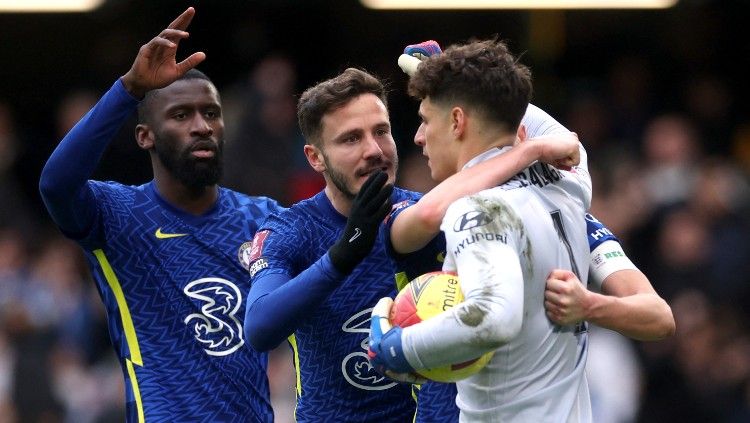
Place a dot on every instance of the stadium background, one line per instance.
(657, 97)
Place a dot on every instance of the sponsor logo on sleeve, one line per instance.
(257, 266)
(257, 248)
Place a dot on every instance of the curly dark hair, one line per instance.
(332, 94)
(481, 75)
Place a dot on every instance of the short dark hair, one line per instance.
(481, 75)
(144, 107)
(332, 94)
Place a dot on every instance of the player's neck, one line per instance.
(341, 202)
(474, 147)
(193, 200)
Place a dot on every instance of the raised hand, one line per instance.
(559, 150)
(415, 53)
(156, 64)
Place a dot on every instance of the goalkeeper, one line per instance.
(528, 404)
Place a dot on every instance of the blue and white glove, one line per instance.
(386, 353)
(415, 53)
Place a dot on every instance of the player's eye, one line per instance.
(212, 114)
(382, 132)
(180, 115)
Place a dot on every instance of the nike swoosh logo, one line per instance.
(357, 233)
(161, 235)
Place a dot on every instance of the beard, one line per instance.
(191, 171)
(344, 183)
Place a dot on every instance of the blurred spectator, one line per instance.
(631, 101)
(720, 198)
(282, 383)
(587, 115)
(264, 153)
(612, 357)
(670, 149)
(17, 212)
(709, 105)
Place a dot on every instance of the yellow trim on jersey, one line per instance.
(127, 321)
(136, 390)
(127, 325)
(414, 389)
(295, 355)
(401, 280)
(293, 342)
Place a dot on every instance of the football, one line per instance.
(427, 296)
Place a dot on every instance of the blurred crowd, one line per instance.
(670, 182)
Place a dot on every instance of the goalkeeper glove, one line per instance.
(369, 208)
(415, 53)
(385, 352)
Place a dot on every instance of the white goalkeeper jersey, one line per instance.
(503, 243)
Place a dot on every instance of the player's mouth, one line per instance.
(203, 150)
(203, 154)
(366, 173)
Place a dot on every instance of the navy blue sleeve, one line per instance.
(275, 307)
(597, 232)
(63, 183)
(427, 259)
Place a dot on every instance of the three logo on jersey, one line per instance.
(216, 327)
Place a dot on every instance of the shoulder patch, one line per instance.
(257, 248)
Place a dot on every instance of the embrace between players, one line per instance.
(165, 253)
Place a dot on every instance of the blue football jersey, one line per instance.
(335, 380)
(174, 287)
(436, 402)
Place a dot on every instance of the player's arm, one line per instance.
(627, 303)
(415, 226)
(278, 303)
(63, 180)
(490, 316)
(577, 181)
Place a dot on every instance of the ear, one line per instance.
(144, 136)
(315, 158)
(521, 133)
(458, 122)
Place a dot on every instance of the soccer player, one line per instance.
(633, 307)
(503, 243)
(619, 296)
(169, 256)
(319, 266)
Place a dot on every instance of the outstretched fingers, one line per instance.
(192, 61)
(183, 21)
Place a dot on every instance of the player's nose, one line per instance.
(419, 136)
(201, 127)
(372, 147)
